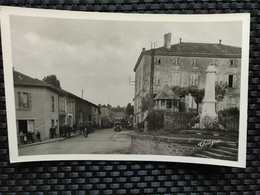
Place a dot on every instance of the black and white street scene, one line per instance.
(127, 87)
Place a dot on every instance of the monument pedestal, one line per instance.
(209, 102)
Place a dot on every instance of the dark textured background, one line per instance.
(109, 177)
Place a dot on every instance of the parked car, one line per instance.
(117, 127)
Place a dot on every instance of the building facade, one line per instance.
(36, 105)
(67, 109)
(86, 112)
(184, 64)
(41, 106)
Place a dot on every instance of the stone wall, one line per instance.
(162, 145)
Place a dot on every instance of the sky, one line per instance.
(98, 57)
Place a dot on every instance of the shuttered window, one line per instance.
(52, 104)
(24, 100)
(232, 80)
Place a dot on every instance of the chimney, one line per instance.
(167, 40)
(219, 41)
(143, 49)
(180, 40)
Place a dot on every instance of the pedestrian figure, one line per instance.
(30, 136)
(38, 136)
(25, 139)
(54, 131)
(51, 132)
(21, 135)
(85, 131)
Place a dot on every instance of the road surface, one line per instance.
(102, 141)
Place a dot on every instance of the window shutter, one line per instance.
(226, 79)
(29, 100)
(19, 99)
(234, 80)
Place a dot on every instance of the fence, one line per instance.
(230, 122)
(229, 119)
(179, 120)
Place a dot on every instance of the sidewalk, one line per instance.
(49, 140)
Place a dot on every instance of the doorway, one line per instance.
(22, 126)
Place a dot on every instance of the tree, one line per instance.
(52, 80)
(197, 94)
(180, 91)
(129, 109)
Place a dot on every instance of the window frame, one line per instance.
(52, 103)
(21, 104)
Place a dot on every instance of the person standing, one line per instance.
(21, 136)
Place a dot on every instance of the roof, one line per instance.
(21, 79)
(166, 94)
(190, 49)
(79, 98)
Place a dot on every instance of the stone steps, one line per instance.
(223, 151)
(229, 149)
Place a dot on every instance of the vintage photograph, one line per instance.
(126, 86)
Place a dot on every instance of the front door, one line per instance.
(22, 126)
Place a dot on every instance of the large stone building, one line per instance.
(40, 106)
(184, 64)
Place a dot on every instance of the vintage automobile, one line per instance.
(117, 126)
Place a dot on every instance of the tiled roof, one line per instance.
(21, 79)
(188, 49)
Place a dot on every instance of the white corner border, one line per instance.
(6, 12)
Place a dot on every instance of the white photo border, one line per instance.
(6, 12)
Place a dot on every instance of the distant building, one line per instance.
(117, 116)
(40, 106)
(106, 116)
(184, 64)
(86, 112)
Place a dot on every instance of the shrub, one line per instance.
(210, 123)
(229, 112)
(140, 125)
(229, 118)
(155, 120)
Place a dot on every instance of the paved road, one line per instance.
(104, 141)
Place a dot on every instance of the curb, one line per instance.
(48, 141)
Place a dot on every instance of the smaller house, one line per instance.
(167, 100)
(42, 108)
(86, 112)
(106, 117)
(36, 104)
